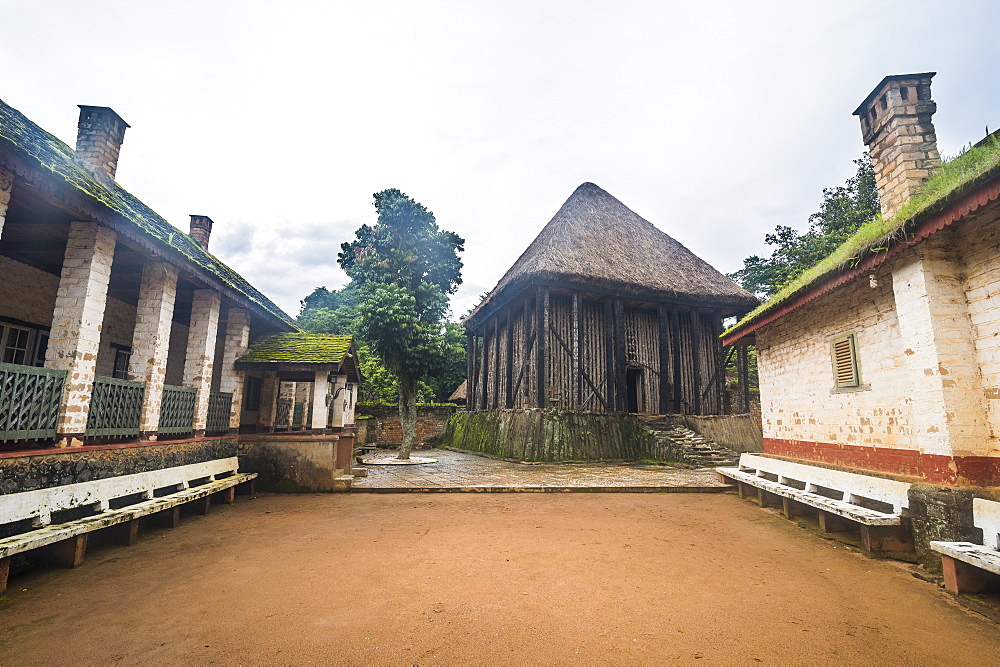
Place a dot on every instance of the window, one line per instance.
(846, 371)
(41, 346)
(251, 394)
(123, 355)
(15, 345)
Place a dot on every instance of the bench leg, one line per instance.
(245, 488)
(741, 489)
(961, 577)
(768, 499)
(831, 523)
(170, 518)
(886, 539)
(201, 505)
(129, 532)
(788, 507)
(70, 553)
(4, 571)
(226, 496)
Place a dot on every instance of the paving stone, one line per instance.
(460, 471)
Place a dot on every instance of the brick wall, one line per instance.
(431, 421)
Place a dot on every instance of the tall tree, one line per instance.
(843, 210)
(404, 268)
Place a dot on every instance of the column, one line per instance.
(151, 340)
(77, 320)
(200, 359)
(303, 397)
(286, 397)
(339, 390)
(268, 402)
(321, 389)
(236, 343)
(949, 417)
(6, 182)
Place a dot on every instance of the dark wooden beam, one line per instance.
(542, 323)
(675, 334)
(620, 360)
(743, 362)
(470, 357)
(484, 373)
(609, 354)
(577, 363)
(663, 318)
(696, 358)
(495, 398)
(509, 369)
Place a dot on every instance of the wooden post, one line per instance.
(226, 496)
(201, 505)
(495, 398)
(542, 334)
(509, 369)
(170, 517)
(4, 573)
(70, 553)
(621, 398)
(743, 362)
(526, 354)
(696, 358)
(664, 343)
(609, 354)
(129, 532)
(675, 332)
(577, 366)
(484, 373)
(470, 370)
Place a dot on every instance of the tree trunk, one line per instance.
(407, 415)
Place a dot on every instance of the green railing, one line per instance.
(177, 410)
(29, 402)
(219, 406)
(115, 408)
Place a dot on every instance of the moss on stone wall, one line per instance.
(550, 435)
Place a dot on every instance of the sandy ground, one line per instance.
(487, 579)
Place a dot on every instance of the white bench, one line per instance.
(965, 564)
(193, 483)
(884, 530)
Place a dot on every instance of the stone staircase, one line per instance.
(677, 443)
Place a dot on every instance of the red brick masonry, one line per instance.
(934, 468)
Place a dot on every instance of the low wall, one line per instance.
(44, 469)
(740, 433)
(384, 427)
(550, 435)
(294, 462)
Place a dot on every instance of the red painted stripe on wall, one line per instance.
(934, 468)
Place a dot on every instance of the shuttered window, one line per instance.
(845, 362)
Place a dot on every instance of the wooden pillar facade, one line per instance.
(696, 358)
(663, 333)
(541, 336)
(609, 354)
(470, 370)
(495, 393)
(577, 361)
(743, 365)
(508, 401)
(675, 334)
(484, 374)
(621, 362)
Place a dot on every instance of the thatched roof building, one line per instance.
(603, 311)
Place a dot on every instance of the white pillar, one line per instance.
(949, 415)
(200, 359)
(321, 389)
(237, 341)
(151, 340)
(339, 389)
(6, 182)
(77, 320)
(350, 400)
(267, 415)
(286, 395)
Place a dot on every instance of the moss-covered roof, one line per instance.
(957, 177)
(51, 155)
(299, 348)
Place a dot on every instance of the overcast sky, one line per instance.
(715, 121)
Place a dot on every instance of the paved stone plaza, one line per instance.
(456, 471)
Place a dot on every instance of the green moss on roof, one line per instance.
(299, 348)
(18, 133)
(974, 166)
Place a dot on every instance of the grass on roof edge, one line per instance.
(877, 233)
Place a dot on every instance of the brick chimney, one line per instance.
(98, 141)
(896, 126)
(201, 229)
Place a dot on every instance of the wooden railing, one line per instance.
(219, 406)
(177, 410)
(29, 402)
(115, 408)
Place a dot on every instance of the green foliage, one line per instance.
(380, 384)
(842, 212)
(330, 311)
(404, 267)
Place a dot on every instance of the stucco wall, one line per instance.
(796, 371)
(27, 293)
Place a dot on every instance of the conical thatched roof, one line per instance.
(595, 240)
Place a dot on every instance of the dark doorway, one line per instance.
(633, 382)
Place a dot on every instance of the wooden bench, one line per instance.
(968, 567)
(878, 506)
(194, 483)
